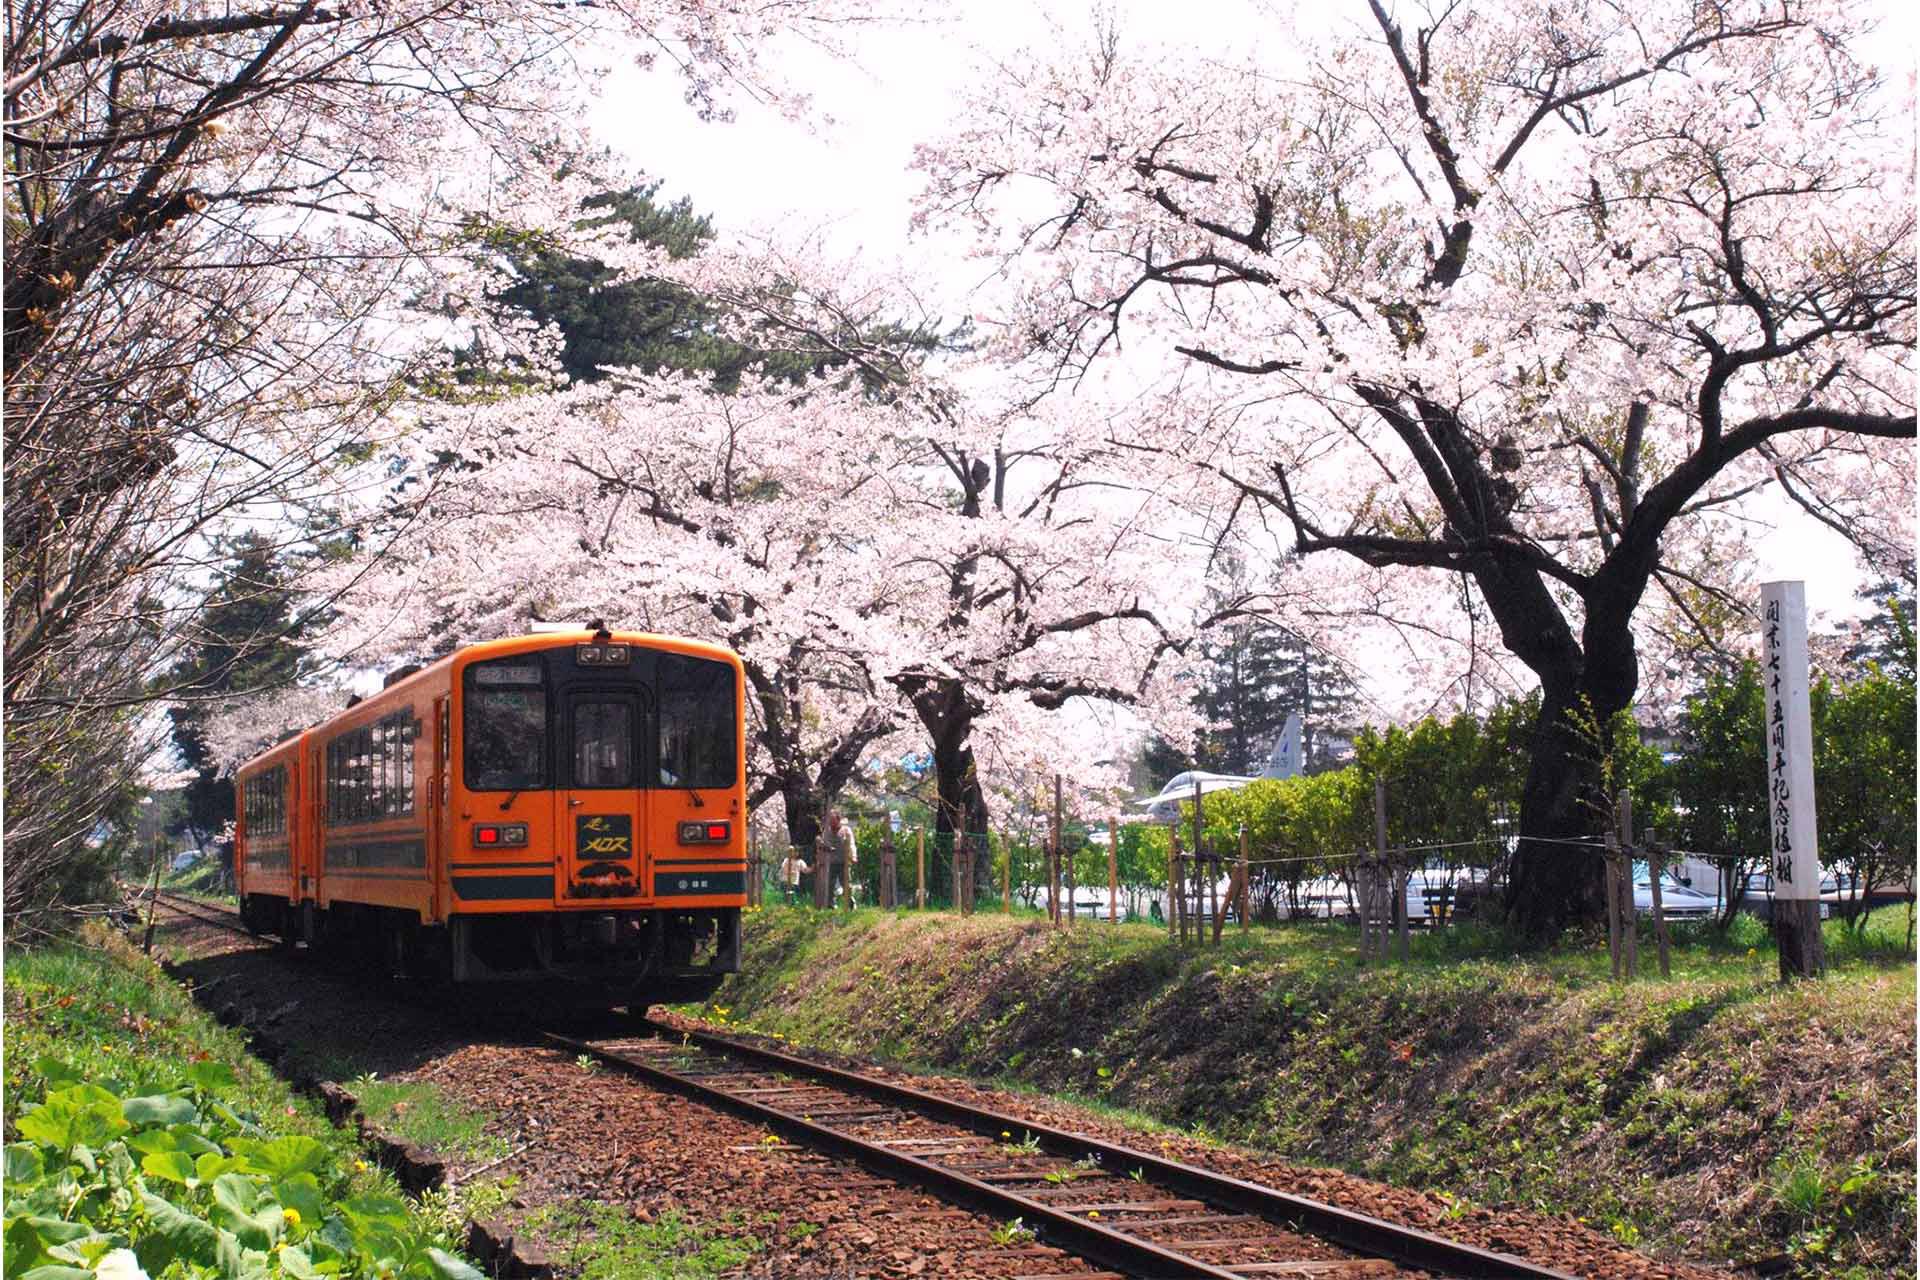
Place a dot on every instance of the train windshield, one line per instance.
(698, 729)
(506, 727)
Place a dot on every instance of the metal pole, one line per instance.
(1113, 870)
(920, 872)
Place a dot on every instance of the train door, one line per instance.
(605, 812)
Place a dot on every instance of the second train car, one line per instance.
(566, 809)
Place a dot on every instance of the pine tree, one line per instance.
(650, 324)
(246, 636)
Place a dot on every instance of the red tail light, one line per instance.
(705, 832)
(717, 832)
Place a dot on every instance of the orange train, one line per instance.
(566, 808)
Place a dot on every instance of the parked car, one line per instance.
(1756, 896)
(1678, 900)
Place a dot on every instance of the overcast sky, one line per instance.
(852, 177)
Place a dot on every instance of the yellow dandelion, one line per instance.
(293, 1217)
(1093, 1213)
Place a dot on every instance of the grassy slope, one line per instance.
(105, 1012)
(1714, 1115)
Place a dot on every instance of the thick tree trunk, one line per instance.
(960, 809)
(1555, 880)
(806, 813)
(1566, 805)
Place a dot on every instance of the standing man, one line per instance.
(844, 854)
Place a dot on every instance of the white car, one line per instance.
(1757, 897)
(1677, 901)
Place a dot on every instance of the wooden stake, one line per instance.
(1113, 870)
(822, 871)
(1629, 912)
(1402, 878)
(1363, 892)
(1656, 865)
(1173, 883)
(1213, 897)
(920, 870)
(1073, 887)
(1612, 861)
(153, 895)
(1246, 904)
(1006, 877)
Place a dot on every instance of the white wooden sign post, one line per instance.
(1795, 860)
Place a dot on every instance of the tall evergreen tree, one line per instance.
(651, 324)
(1247, 690)
(245, 636)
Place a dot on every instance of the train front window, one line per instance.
(506, 739)
(698, 728)
(602, 743)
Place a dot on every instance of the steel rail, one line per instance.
(1359, 1232)
(1090, 1240)
(203, 911)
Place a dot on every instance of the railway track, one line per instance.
(1126, 1212)
(1131, 1213)
(204, 912)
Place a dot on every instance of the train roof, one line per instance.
(483, 650)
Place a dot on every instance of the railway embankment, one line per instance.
(145, 1138)
(1715, 1116)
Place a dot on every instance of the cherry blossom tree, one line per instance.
(1034, 579)
(755, 519)
(1516, 314)
(234, 244)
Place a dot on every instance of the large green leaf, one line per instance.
(174, 1166)
(179, 1137)
(214, 1077)
(56, 1271)
(295, 1262)
(236, 1262)
(31, 1239)
(239, 1206)
(84, 1114)
(23, 1163)
(214, 1163)
(159, 1109)
(376, 1206)
(172, 1233)
(301, 1193)
(282, 1157)
(57, 1072)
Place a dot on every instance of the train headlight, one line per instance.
(496, 835)
(705, 832)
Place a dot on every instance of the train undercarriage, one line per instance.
(584, 959)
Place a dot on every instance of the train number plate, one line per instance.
(603, 836)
